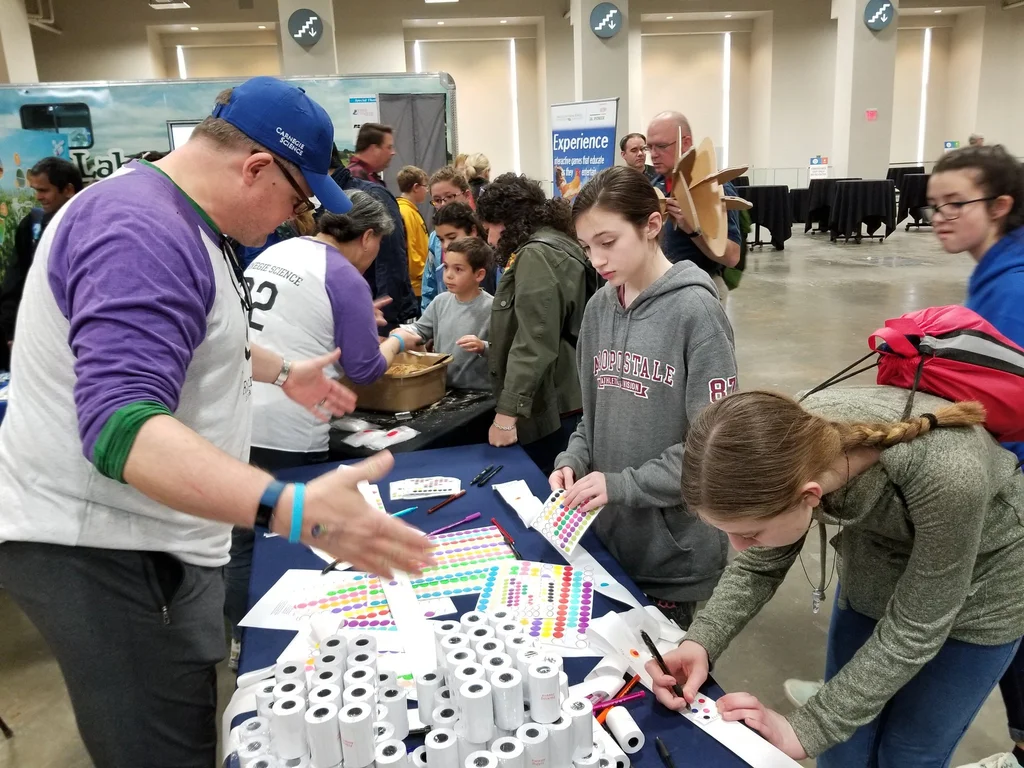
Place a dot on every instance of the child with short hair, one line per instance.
(447, 186)
(412, 182)
(458, 320)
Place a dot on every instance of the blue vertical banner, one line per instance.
(582, 143)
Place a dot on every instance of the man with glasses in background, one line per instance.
(123, 453)
(633, 148)
(668, 137)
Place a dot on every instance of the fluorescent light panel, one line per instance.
(436, 2)
(157, 6)
(182, 72)
(514, 86)
(726, 81)
(926, 64)
(417, 57)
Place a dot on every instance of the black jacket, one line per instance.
(26, 237)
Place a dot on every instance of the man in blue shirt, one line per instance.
(666, 131)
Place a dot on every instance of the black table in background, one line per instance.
(871, 203)
(821, 193)
(741, 181)
(461, 417)
(913, 199)
(798, 200)
(897, 174)
(771, 210)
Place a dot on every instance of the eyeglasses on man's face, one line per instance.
(953, 210)
(305, 205)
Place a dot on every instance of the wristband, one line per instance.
(267, 503)
(401, 342)
(298, 507)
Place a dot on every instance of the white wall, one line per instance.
(964, 73)
(1001, 92)
(232, 61)
(937, 128)
(761, 56)
(906, 96)
(740, 127)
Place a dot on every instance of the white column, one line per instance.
(17, 57)
(601, 65)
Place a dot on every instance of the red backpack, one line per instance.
(951, 352)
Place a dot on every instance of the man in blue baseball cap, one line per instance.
(123, 453)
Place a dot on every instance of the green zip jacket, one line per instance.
(535, 321)
(931, 547)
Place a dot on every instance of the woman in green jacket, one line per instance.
(535, 317)
(928, 610)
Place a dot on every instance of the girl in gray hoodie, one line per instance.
(655, 347)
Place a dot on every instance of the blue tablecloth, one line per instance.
(273, 556)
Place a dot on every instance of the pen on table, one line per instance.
(620, 700)
(467, 519)
(603, 714)
(508, 538)
(481, 473)
(449, 500)
(405, 511)
(330, 567)
(490, 475)
(676, 688)
(663, 753)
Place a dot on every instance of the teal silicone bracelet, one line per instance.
(401, 342)
(298, 507)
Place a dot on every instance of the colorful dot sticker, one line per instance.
(561, 526)
(552, 602)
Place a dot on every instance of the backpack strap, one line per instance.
(838, 377)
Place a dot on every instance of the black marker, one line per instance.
(663, 753)
(661, 662)
(490, 475)
(483, 472)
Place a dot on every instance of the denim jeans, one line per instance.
(1012, 687)
(923, 723)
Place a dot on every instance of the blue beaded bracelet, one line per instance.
(401, 342)
(298, 507)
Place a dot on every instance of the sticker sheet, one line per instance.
(561, 526)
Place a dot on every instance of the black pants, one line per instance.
(238, 571)
(1012, 687)
(543, 452)
(137, 636)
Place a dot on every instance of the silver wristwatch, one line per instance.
(282, 377)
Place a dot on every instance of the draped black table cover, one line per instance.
(870, 203)
(772, 211)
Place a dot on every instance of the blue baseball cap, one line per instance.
(286, 121)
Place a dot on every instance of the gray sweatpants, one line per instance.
(137, 636)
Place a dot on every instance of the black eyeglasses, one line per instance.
(306, 205)
(437, 202)
(952, 211)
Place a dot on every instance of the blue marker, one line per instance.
(405, 511)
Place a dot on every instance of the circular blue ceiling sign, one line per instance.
(879, 14)
(605, 20)
(306, 27)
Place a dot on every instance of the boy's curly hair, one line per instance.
(520, 205)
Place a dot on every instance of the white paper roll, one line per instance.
(563, 687)
(482, 632)
(298, 762)
(253, 728)
(607, 762)
(510, 753)
(507, 629)
(385, 679)
(391, 754)
(326, 694)
(251, 751)
(445, 716)
(467, 747)
(515, 643)
(625, 730)
(455, 642)
(443, 629)
(289, 688)
(609, 665)
(362, 642)
(471, 619)
(500, 616)
(579, 712)
(463, 674)
(380, 713)
(496, 661)
(499, 733)
(359, 675)
(418, 758)
(323, 735)
(328, 676)
(545, 703)
(488, 646)
(330, 660)
(290, 670)
(336, 644)
(383, 731)
(477, 710)
(560, 743)
(394, 699)
(592, 760)
(265, 698)
(288, 728)
(362, 659)
(524, 659)
(554, 660)
(262, 762)
(426, 691)
(507, 692)
(597, 690)
(609, 747)
(359, 693)
(456, 659)
(445, 696)
(481, 759)
(535, 743)
(355, 722)
(442, 749)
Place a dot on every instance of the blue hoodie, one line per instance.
(996, 292)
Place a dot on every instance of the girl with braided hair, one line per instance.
(928, 610)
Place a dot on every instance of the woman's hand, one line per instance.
(472, 344)
(321, 395)
(378, 305)
(562, 479)
(769, 723)
(412, 339)
(592, 489)
(353, 530)
(687, 665)
(502, 438)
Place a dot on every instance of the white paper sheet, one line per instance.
(408, 615)
(517, 494)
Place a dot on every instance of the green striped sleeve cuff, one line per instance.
(110, 453)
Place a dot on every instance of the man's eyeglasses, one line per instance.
(660, 147)
(437, 202)
(952, 211)
(305, 205)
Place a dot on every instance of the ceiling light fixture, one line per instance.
(168, 5)
(669, 18)
(939, 11)
(432, 2)
(728, 15)
(262, 26)
(440, 23)
(194, 29)
(503, 21)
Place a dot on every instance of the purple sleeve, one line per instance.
(355, 328)
(136, 292)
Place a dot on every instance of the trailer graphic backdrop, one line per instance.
(582, 143)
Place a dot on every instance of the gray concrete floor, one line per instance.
(799, 316)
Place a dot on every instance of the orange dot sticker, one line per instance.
(634, 653)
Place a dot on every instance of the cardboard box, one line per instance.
(409, 390)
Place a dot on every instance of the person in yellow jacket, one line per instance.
(412, 182)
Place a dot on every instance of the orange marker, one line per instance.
(602, 716)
